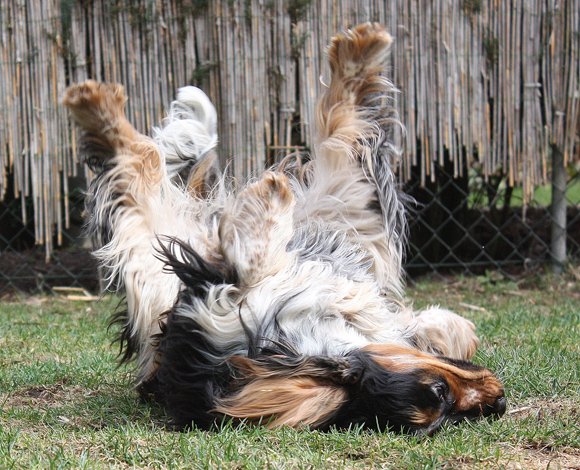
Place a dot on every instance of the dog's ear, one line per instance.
(290, 401)
(287, 390)
(255, 229)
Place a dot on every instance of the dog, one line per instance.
(278, 301)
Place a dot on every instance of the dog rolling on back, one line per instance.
(279, 303)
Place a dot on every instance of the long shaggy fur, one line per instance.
(281, 302)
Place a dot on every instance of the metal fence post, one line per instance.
(558, 241)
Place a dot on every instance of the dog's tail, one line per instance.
(188, 137)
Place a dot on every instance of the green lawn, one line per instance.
(542, 196)
(63, 403)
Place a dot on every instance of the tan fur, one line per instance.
(468, 387)
(285, 401)
(256, 228)
(137, 174)
(424, 418)
(326, 308)
(356, 60)
(403, 359)
(304, 396)
(338, 177)
(100, 109)
(440, 331)
(198, 185)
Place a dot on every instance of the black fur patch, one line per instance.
(128, 345)
(192, 372)
(280, 361)
(194, 271)
(383, 399)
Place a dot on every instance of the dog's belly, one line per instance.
(306, 306)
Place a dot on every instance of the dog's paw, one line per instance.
(98, 108)
(95, 105)
(440, 331)
(256, 228)
(360, 51)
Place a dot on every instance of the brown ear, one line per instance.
(279, 401)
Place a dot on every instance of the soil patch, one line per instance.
(47, 396)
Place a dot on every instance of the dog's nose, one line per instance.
(498, 407)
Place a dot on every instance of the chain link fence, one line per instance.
(458, 225)
(24, 266)
(492, 85)
(467, 225)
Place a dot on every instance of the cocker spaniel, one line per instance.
(276, 301)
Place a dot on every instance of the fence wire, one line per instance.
(458, 226)
(453, 231)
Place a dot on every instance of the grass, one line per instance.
(542, 196)
(64, 404)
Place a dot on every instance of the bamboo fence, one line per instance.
(493, 80)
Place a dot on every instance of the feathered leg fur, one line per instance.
(256, 227)
(350, 184)
(130, 203)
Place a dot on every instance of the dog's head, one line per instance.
(378, 387)
(401, 388)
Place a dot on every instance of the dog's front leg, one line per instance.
(129, 204)
(441, 332)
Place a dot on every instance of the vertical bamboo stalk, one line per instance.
(438, 58)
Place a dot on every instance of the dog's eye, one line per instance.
(440, 391)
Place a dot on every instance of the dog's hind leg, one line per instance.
(350, 184)
(256, 227)
(129, 204)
